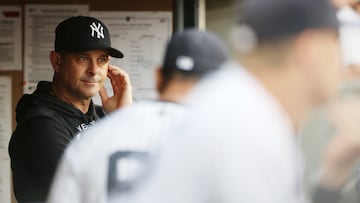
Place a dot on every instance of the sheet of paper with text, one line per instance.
(5, 134)
(10, 38)
(40, 24)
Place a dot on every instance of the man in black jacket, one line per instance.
(57, 111)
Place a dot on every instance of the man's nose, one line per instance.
(93, 67)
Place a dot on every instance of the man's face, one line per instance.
(326, 63)
(83, 74)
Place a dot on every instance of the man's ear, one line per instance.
(55, 59)
(305, 50)
(159, 79)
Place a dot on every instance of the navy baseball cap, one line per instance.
(194, 52)
(277, 19)
(83, 33)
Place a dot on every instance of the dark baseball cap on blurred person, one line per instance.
(194, 52)
(83, 33)
(277, 19)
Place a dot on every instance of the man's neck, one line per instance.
(81, 104)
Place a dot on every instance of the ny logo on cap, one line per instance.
(98, 29)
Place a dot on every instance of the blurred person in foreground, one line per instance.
(318, 131)
(349, 18)
(49, 118)
(240, 142)
(112, 156)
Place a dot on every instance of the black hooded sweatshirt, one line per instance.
(45, 126)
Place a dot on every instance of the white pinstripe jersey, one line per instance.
(110, 157)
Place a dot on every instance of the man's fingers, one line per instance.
(119, 78)
(103, 94)
(115, 83)
(116, 71)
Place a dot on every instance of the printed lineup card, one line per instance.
(142, 37)
(40, 24)
(5, 115)
(5, 181)
(10, 38)
(5, 133)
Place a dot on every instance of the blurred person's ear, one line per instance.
(55, 59)
(318, 49)
(319, 61)
(304, 50)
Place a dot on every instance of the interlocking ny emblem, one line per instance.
(98, 29)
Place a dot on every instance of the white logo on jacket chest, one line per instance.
(84, 126)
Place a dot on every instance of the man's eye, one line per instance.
(84, 58)
(102, 60)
